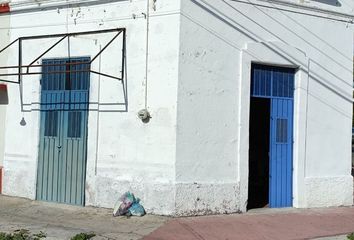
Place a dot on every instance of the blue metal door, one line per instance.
(63, 131)
(281, 165)
(277, 84)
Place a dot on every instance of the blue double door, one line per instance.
(271, 132)
(63, 131)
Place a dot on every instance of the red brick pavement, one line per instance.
(274, 225)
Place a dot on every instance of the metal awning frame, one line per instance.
(62, 37)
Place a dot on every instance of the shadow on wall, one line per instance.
(335, 3)
(254, 36)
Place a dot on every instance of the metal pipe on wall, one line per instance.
(147, 52)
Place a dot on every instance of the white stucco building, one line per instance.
(250, 103)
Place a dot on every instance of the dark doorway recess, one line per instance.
(258, 182)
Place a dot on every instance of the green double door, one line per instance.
(63, 131)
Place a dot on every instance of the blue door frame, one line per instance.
(277, 84)
(63, 131)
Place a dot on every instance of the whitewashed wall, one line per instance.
(4, 38)
(219, 40)
(129, 155)
(192, 158)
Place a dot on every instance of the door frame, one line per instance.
(282, 55)
(278, 171)
(61, 119)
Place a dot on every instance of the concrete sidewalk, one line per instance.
(61, 222)
(267, 224)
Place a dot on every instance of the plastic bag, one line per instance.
(136, 209)
(128, 205)
(123, 204)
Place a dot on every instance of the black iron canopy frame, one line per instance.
(20, 68)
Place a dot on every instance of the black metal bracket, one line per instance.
(63, 36)
(20, 67)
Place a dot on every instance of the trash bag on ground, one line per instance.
(136, 209)
(123, 204)
(128, 205)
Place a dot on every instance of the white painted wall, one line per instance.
(192, 158)
(2, 126)
(4, 39)
(219, 40)
(130, 155)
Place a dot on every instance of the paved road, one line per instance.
(285, 224)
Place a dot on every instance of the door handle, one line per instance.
(59, 147)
